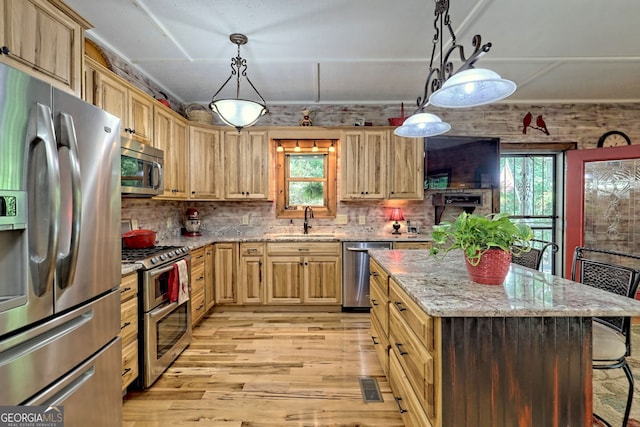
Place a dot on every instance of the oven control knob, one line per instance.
(171, 254)
(154, 260)
(163, 257)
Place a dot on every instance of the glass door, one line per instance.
(603, 195)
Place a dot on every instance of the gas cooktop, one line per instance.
(154, 256)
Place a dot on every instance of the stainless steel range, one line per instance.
(166, 325)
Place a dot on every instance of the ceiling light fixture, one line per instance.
(332, 147)
(466, 87)
(280, 148)
(315, 146)
(297, 147)
(236, 112)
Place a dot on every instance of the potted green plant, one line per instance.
(488, 242)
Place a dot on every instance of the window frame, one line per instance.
(282, 179)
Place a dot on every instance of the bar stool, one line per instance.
(611, 336)
(533, 258)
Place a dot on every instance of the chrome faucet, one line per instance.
(308, 214)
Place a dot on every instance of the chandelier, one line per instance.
(236, 112)
(466, 87)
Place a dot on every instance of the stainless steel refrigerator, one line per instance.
(59, 252)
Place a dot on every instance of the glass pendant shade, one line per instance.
(472, 87)
(238, 113)
(421, 125)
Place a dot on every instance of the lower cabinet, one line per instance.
(407, 342)
(304, 273)
(251, 283)
(197, 282)
(129, 328)
(209, 295)
(225, 261)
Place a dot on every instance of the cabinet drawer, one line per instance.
(416, 361)
(251, 249)
(197, 278)
(128, 286)
(379, 305)
(129, 363)
(418, 321)
(302, 248)
(197, 306)
(129, 321)
(197, 258)
(411, 245)
(408, 405)
(380, 343)
(378, 275)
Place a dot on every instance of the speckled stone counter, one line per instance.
(442, 288)
(130, 268)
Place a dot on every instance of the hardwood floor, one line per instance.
(269, 369)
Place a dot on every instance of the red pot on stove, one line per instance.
(139, 239)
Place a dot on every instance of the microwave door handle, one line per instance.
(43, 183)
(156, 184)
(67, 262)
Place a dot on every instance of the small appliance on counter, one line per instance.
(191, 223)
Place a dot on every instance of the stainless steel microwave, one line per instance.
(141, 169)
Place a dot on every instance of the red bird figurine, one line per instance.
(526, 122)
(542, 126)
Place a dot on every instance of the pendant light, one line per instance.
(236, 112)
(466, 87)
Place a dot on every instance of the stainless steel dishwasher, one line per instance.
(355, 273)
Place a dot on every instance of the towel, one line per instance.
(179, 282)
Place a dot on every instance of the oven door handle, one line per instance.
(160, 271)
(162, 311)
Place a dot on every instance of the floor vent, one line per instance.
(370, 390)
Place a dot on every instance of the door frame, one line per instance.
(574, 207)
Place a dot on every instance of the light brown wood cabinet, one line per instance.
(304, 273)
(406, 168)
(412, 245)
(197, 282)
(129, 328)
(45, 39)
(225, 262)
(170, 135)
(246, 165)
(251, 277)
(363, 159)
(113, 94)
(209, 294)
(379, 301)
(205, 165)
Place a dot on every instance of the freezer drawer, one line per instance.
(90, 394)
(35, 358)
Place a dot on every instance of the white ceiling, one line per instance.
(372, 51)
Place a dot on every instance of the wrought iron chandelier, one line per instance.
(466, 87)
(236, 112)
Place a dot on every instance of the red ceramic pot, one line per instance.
(492, 268)
(139, 239)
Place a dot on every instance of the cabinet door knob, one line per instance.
(4, 50)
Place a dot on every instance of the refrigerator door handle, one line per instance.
(156, 183)
(43, 181)
(67, 262)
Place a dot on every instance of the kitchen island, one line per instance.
(464, 354)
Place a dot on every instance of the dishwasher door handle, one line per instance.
(358, 249)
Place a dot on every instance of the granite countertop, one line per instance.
(130, 267)
(199, 241)
(442, 288)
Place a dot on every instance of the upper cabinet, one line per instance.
(44, 38)
(170, 135)
(246, 164)
(363, 159)
(114, 95)
(205, 167)
(406, 168)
